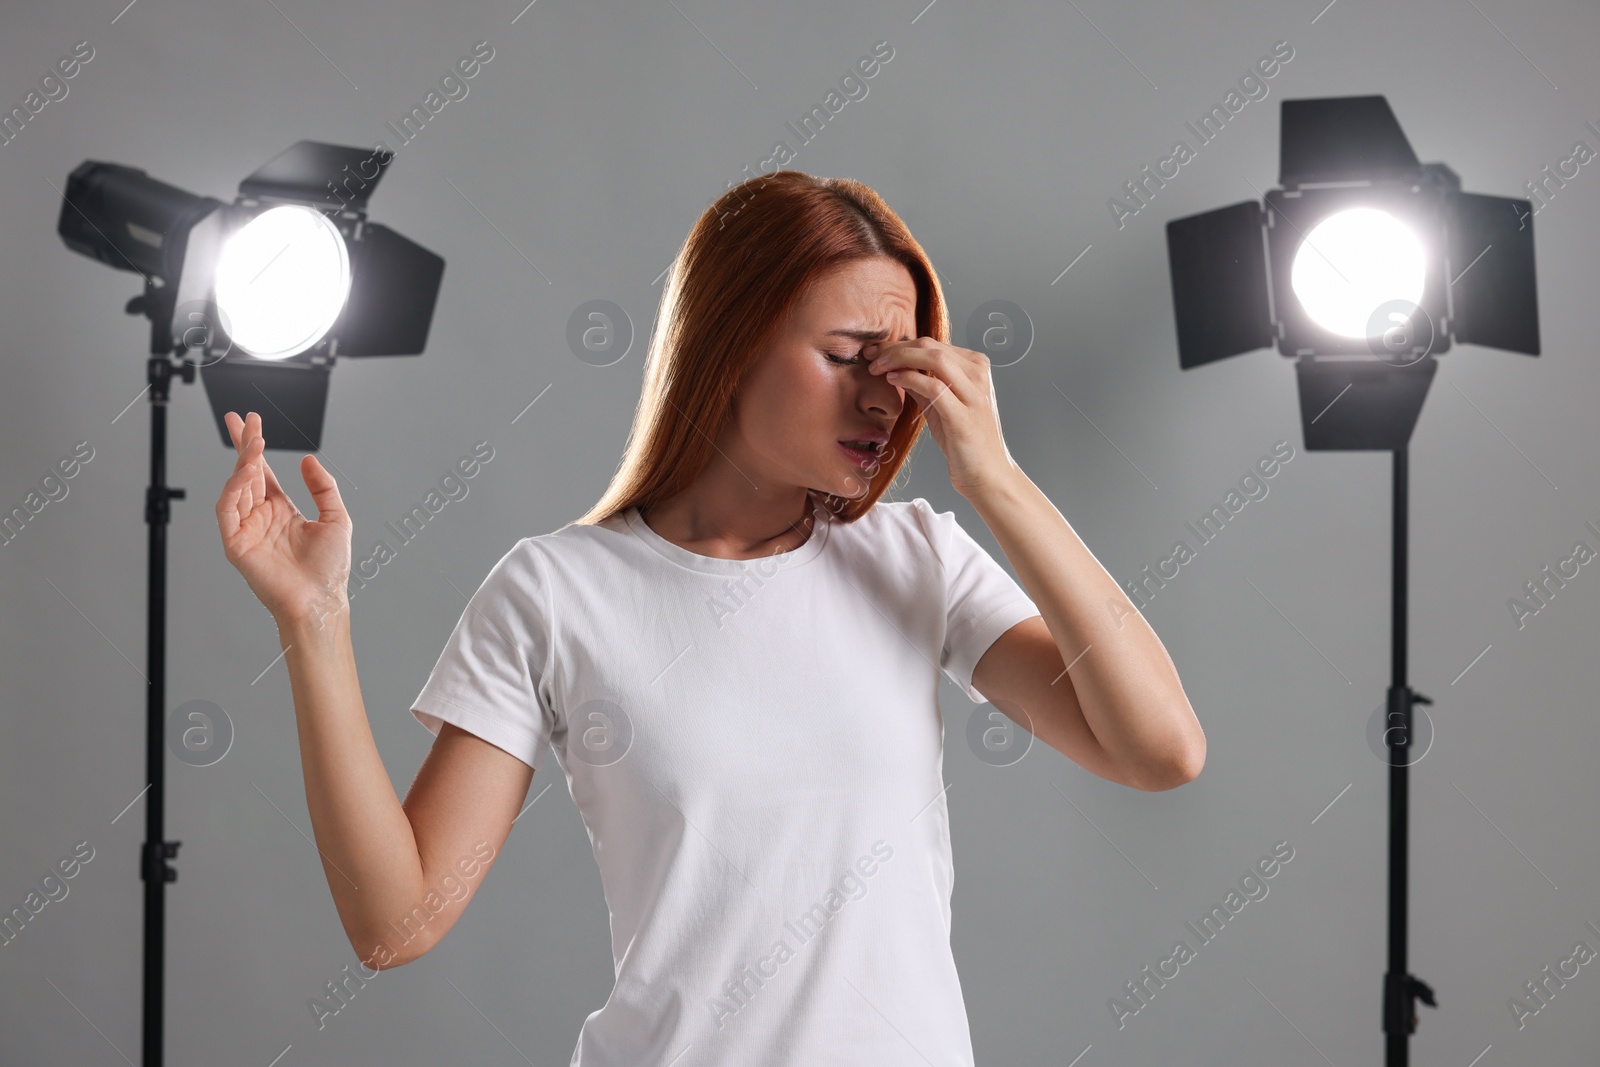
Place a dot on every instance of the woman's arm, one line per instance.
(1126, 689)
(1118, 706)
(400, 875)
(369, 850)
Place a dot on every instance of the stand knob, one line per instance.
(153, 863)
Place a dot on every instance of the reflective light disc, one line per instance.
(1352, 262)
(282, 281)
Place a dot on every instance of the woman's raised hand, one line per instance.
(297, 568)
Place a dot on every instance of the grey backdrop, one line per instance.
(571, 172)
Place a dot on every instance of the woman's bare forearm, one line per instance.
(369, 851)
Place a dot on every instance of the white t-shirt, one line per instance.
(756, 750)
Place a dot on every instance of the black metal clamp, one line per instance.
(1400, 996)
(153, 864)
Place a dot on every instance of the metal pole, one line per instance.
(153, 866)
(1400, 988)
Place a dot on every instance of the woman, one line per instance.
(735, 657)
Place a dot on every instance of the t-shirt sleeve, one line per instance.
(982, 600)
(490, 680)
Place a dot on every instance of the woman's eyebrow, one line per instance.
(862, 335)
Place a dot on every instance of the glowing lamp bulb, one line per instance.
(1351, 263)
(282, 281)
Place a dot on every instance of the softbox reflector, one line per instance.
(1493, 297)
(1219, 283)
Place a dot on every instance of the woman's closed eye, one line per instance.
(840, 359)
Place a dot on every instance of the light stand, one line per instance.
(1361, 267)
(1401, 989)
(181, 244)
(153, 866)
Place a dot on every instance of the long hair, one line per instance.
(745, 265)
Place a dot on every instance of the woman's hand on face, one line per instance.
(296, 568)
(953, 387)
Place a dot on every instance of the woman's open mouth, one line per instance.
(863, 452)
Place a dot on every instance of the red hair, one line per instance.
(742, 270)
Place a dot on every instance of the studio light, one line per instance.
(258, 297)
(1362, 266)
(264, 294)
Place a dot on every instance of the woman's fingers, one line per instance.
(251, 468)
(236, 430)
(235, 504)
(255, 481)
(324, 491)
(228, 508)
(245, 432)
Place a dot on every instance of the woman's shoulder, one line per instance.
(915, 513)
(577, 543)
(924, 527)
(896, 510)
(912, 523)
